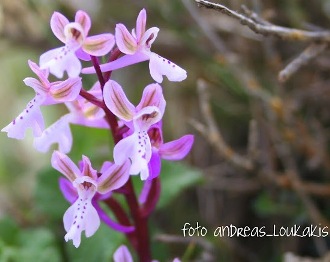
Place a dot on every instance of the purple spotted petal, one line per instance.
(30, 117)
(177, 149)
(59, 60)
(122, 254)
(160, 66)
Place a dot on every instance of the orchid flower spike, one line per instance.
(136, 47)
(82, 215)
(77, 43)
(150, 110)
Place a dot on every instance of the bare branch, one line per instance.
(212, 133)
(269, 29)
(304, 58)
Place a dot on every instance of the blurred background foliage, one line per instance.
(205, 187)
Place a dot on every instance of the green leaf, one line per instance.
(48, 196)
(38, 245)
(8, 231)
(175, 177)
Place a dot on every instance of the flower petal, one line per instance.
(122, 254)
(116, 100)
(177, 149)
(155, 164)
(59, 132)
(84, 20)
(125, 41)
(68, 191)
(152, 96)
(141, 24)
(87, 169)
(160, 66)
(146, 117)
(36, 85)
(59, 60)
(30, 117)
(67, 90)
(57, 24)
(137, 148)
(64, 165)
(121, 62)
(149, 37)
(114, 177)
(42, 74)
(74, 35)
(99, 45)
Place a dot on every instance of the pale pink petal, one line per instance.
(57, 24)
(64, 165)
(146, 117)
(121, 62)
(59, 133)
(99, 45)
(122, 254)
(87, 169)
(177, 149)
(124, 40)
(59, 60)
(152, 96)
(67, 90)
(114, 177)
(141, 24)
(149, 37)
(105, 166)
(31, 117)
(74, 35)
(82, 55)
(160, 66)
(41, 73)
(84, 20)
(117, 102)
(137, 148)
(36, 85)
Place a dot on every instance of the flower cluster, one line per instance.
(136, 130)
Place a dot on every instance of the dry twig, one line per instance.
(269, 29)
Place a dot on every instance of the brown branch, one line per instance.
(269, 29)
(304, 58)
(213, 134)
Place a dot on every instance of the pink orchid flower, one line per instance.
(150, 110)
(75, 37)
(136, 47)
(82, 215)
(46, 93)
